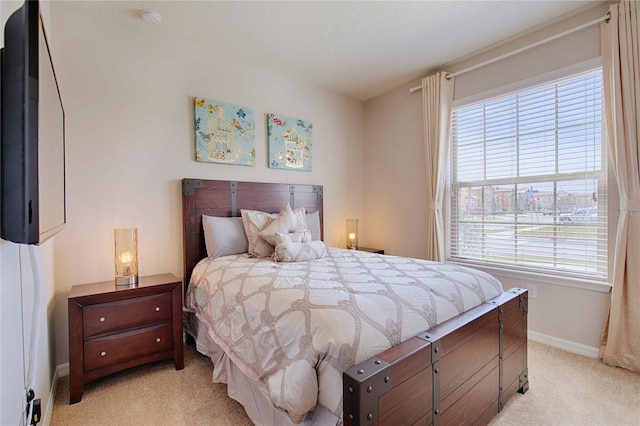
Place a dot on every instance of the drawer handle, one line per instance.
(157, 308)
(102, 319)
(103, 353)
(157, 340)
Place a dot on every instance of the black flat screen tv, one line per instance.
(32, 154)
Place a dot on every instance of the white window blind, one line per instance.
(527, 180)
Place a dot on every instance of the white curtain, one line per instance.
(621, 69)
(437, 97)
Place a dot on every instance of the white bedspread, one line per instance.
(295, 327)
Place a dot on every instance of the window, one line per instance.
(527, 180)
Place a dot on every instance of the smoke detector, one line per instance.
(152, 17)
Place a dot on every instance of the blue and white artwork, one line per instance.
(290, 144)
(225, 133)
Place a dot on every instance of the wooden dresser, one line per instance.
(371, 250)
(112, 328)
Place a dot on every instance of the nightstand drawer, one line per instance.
(125, 314)
(116, 348)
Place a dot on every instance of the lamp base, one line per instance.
(130, 281)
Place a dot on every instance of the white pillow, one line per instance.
(287, 221)
(313, 224)
(298, 252)
(254, 221)
(293, 237)
(224, 236)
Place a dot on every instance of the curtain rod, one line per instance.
(606, 18)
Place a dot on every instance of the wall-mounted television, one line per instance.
(32, 136)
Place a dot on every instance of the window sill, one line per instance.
(533, 277)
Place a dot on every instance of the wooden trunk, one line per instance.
(460, 372)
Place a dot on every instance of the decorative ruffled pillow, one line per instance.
(298, 252)
(286, 222)
(256, 221)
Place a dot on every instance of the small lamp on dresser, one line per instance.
(352, 234)
(126, 256)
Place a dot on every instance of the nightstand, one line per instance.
(371, 250)
(112, 328)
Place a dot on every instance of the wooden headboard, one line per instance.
(226, 198)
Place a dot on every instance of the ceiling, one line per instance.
(360, 49)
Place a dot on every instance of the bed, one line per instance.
(460, 371)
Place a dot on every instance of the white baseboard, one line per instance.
(61, 371)
(565, 345)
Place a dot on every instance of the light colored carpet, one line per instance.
(153, 394)
(569, 389)
(566, 389)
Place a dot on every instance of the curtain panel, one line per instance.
(437, 98)
(620, 344)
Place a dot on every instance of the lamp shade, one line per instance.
(126, 256)
(352, 234)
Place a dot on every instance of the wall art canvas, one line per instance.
(225, 133)
(290, 145)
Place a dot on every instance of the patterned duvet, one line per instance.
(295, 327)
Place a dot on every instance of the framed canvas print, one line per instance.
(225, 133)
(290, 144)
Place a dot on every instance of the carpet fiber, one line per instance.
(565, 389)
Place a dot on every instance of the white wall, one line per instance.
(395, 202)
(395, 190)
(128, 91)
(12, 352)
(16, 294)
(17, 289)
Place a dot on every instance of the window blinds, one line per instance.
(527, 180)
